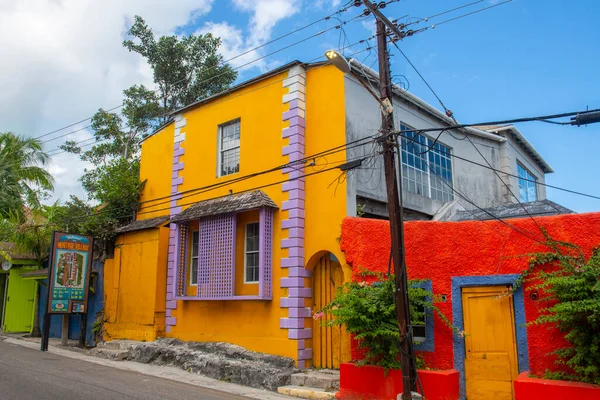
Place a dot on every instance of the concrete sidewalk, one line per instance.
(164, 372)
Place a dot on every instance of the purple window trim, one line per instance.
(214, 233)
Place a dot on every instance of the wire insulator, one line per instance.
(367, 12)
(357, 3)
(449, 113)
(381, 5)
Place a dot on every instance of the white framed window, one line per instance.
(428, 173)
(229, 148)
(251, 253)
(194, 259)
(527, 184)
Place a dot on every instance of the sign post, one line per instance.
(68, 280)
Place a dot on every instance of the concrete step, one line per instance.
(306, 392)
(326, 379)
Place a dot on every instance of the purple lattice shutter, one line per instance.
(216, 257)
(181, 254)
(266, 249)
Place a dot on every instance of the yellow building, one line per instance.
(237, 237)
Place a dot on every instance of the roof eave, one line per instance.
(238, 86)
(528, 146)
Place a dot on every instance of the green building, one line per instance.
(18, 290)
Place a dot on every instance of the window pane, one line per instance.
(195, 242)
(229, 148)
(194, 271)
(527, 184)
(252, 237)
(230, 161)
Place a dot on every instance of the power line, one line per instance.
(471, 13)
(411, 32)
(468, 200)
(199, 190)
(506, 121)
(261, 87)
(237, 192)
(451, 115)
(338, 12)
(508, 173)
(426, 19)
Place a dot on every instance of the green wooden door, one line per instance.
(20, 301)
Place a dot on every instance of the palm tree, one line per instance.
(22, 175)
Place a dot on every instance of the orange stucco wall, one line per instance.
(135, 286)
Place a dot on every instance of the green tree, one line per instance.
(185, 70)
(23, 180)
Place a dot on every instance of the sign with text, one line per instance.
(69, 273)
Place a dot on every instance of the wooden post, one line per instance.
(65, 330)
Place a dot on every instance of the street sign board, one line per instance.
(69, 273)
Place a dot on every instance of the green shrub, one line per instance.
(368, 311)
(569, 290)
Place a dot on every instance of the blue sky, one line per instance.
(523, 58)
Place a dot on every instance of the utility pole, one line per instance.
(395, 211)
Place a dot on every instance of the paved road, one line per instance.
(27, 374)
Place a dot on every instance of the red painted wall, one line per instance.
(540, 389)
(441, 250)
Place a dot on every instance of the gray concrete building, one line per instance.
(442, 181)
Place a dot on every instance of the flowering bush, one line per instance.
(569, 289)
(368, 311)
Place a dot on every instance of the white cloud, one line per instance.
(63, 59)
(327, 3)
(233, 44)
(265, 15)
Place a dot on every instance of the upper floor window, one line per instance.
(194, 258)
(229, 148)
(527, 184)
(428, 173)
(251, 253)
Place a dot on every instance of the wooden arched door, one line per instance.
(331, 345)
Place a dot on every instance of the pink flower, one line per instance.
(362, 284)
(318, 315)
(462, 334)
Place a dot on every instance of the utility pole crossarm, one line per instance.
(380, 17)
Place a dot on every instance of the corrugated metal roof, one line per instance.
(512, 210)
(143, 224)
(10, 250)
(226, 204)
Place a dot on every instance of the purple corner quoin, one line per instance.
(294, 224)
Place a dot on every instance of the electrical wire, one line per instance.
(274, 82)
(338, 12)
(426, 19)
(143, 211)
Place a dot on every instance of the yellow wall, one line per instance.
(252, 324)
(134, 285)
(156, 167)
(325, 200)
